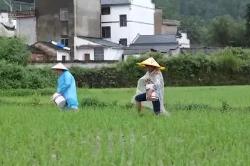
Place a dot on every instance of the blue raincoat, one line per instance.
(66, 86)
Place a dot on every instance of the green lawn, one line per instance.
(207, 126)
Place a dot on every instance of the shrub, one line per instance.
(13, 50)
(227, 67)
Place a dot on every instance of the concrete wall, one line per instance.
(49, 26)
(158, 21)
(26, 29)
(88, 18)
(169, 29)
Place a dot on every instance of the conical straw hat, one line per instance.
(150, 62)
(60, 66)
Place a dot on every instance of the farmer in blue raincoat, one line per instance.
(66, 86)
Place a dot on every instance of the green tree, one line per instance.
(248, 25)
(194, 26)
(219, 31)
(13, 50)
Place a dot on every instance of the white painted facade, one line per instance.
(184, 42)
(26, 29)
(4, 17)
(60, 55)
(109, 53)
(140, 20)
(80, 54)
(5, 20)
(6, 33)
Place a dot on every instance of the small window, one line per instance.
(105, 10)
(123, 20)
(64, 14)
(87, 57)
(123, 41)
(106, 32)
(63, 58)
(65, 42)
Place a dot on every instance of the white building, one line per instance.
(26, 26)
(123, 20)
(7, 25)
(183, 41)
(96, 49)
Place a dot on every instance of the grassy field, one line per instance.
(207, 126)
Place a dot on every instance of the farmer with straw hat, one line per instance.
(150, 87)
(66, 86)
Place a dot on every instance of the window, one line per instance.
(65, 42)
(105, 10)
(106, 32)
(123, 20)
(63, 58)
(87, 57)
(64, 14)
(123, 41)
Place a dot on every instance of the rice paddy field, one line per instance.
(208, 126)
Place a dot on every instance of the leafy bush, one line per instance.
(16, 76)
(227, 67)
(13, 50)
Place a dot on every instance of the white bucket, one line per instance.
(150, 92)
(59, 100)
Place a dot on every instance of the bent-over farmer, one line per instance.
(66, 86)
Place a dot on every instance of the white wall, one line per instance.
(109, 53)
(26, 28)
(80, 54)
(80, 41)
(4, 17)
(184, 42)
(140, 17)
(6, 33)
(112, 54)
(62, 53)
(144, 3)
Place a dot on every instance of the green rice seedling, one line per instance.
(114, 134)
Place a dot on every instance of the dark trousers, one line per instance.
(156, 104)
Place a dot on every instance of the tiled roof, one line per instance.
(102, 42)
(146, 43)
(115, 2)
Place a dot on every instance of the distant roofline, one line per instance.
(115, 2)
(171, 22)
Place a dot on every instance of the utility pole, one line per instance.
(75, 35)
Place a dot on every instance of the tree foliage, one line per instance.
(205, 9)
(210, 22)
(13, 50)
